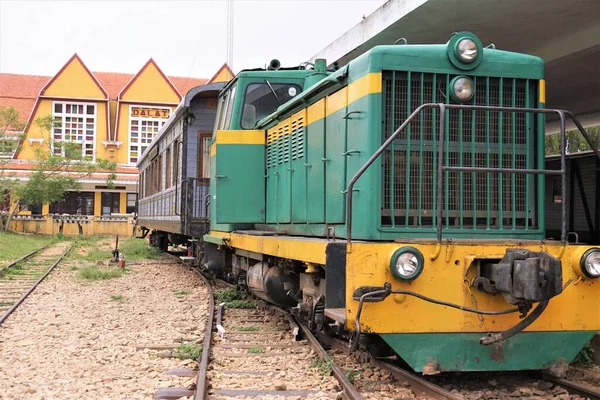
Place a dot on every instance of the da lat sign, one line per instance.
(149, 112)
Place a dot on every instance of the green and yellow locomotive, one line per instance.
(399, 201)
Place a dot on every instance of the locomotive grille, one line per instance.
(470, 200)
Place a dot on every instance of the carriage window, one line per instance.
(168, 169)
(203, 155)
(264, 98)
(227, 122)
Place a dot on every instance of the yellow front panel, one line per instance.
(293, 248)
(240, 137)
(542, 91)
(577, 308)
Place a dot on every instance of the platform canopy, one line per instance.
(565, 33)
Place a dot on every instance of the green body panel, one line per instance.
(271, 184)
(213, 203)
(298, 196)
(240, 183)
(306, 194)
(335, 167)
(214, 240)
(315, 171)
(283, 193)
(462, 351)
(433, 58)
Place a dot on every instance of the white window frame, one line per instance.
(64, 115)
(139, 144)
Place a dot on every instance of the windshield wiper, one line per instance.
(273, 91)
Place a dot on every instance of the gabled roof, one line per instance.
(73, 59)
(21, 91)
(150, 63)
(224, 68)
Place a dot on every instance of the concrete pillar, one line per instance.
(97, 203)
(123, 203)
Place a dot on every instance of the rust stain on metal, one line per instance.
(497, 352)
(431, 368)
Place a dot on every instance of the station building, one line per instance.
(111, 116)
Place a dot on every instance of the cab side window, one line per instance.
(261, 99)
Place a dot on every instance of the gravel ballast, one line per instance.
(74, 339)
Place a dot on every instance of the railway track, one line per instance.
(457, 386)
(260, 352)
(263, 352)
(19, 278)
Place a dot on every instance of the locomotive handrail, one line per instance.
(563, 114)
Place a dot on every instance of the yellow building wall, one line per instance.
(74, 81)
(123, 129)
(47, 226)
(32, 131)
(150, 86)
(44, 108)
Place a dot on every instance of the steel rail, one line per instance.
(32, 288)
(201, 386)
(574, 387)
(350, 392)
(417, 383)
(25, 257)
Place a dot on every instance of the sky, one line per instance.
(185, 38)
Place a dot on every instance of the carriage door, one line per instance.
(240, 176)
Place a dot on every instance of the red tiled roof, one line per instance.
(21, 91)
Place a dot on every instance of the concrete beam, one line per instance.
(374, 24)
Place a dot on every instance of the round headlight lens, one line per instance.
(590, 263)
(467, 50)
(406, 264)
(462, 88)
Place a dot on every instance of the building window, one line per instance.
(144, 124)
(74, 123)
(110, 203)
(74, 203)
(131, 202)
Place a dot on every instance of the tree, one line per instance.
(53, 175)
(574, 140)
(10, 125)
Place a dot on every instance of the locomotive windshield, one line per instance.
(262, 99)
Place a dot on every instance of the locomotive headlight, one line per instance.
(462, 88)
(406, 263)
(467, 50)
(590, 263)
